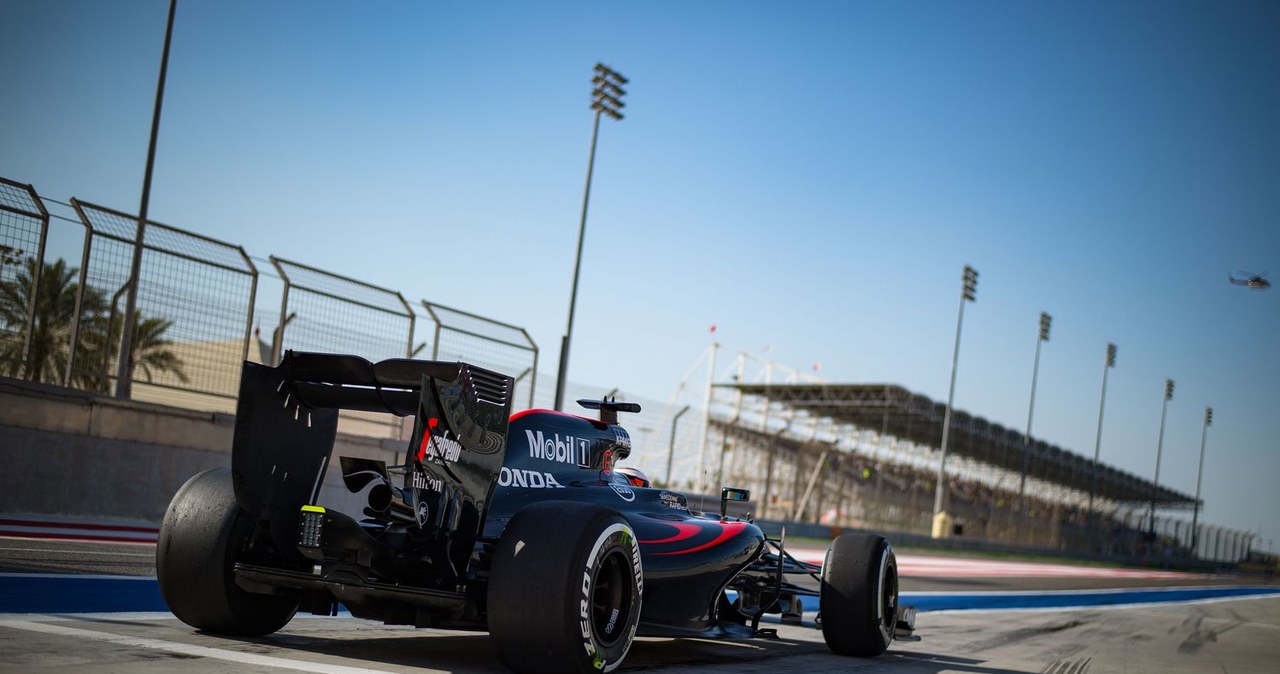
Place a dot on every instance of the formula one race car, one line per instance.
(515, 524)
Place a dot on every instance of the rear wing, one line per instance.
(287, 421)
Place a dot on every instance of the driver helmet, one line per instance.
(634, 476)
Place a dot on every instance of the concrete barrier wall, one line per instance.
(66, 452)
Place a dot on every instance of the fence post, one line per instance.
(413, 319)
(253, 298)
(435, 338)
(533, 379)
(278, 336)
(84, 280)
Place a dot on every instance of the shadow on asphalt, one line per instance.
(467, 653)
(928, 663)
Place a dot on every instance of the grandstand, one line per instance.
(866, 455)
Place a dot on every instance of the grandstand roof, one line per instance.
(895, 411)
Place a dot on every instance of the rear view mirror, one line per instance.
(732, 494)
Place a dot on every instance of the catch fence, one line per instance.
(24, 227)
(327, 312)
(323, 311)
(194, 309)
(61, 321)
(506, 348)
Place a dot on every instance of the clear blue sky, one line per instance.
(809, 176)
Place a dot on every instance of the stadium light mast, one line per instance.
(606, 98)
(968, 293)
(124, 371)
(1155, 483)
(1195, 514)
(1045, 321)
(1097, 443)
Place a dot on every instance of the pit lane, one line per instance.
(1221, 635)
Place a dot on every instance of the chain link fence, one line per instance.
(194, 307)
(323, 311)
(24, 227)
(327, 312)
(460, 335)
(195, 312)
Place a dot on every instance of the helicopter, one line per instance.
(1251, 281)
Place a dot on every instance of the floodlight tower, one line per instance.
(968, 293)
(606, 98)
(1195, 514)
(1097, 443)
(1155, 483)
(1045, 321)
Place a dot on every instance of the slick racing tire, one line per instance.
(565, 589)
(859, 595)
(203, 533)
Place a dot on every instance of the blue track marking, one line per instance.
(63, 593)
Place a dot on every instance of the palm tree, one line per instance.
(150, 349)
(10, 255)
(54, 318)
(99, 336)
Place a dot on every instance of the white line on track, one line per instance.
(251, 659)
(125, 616)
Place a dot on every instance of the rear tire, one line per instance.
(565, 589)
(859, 595)
(202, 537)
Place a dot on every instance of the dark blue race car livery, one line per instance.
(523, 525)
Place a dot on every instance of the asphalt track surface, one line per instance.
(1236, 634)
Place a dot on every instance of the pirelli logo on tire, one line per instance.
(608, 629)
(596, 605)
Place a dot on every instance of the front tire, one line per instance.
(565, 589)
(859, 595)
(203, 534)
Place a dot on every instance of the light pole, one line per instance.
(1045, 321)
(124, 371)
(1097, 443)
(606, 98)
(1195, 514)
(1155, 483)
(967, 294)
